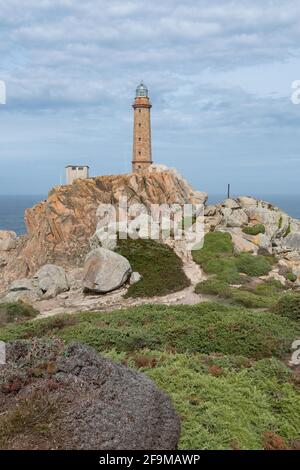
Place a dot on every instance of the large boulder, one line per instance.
(51, 280)
(90, 401)
(8, 240)
(105, 271)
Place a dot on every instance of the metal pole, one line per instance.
(228, 192)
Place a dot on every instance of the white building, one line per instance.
(76, 171)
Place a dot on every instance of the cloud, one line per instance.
(212, 68)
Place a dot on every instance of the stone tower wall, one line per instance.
(142, 152)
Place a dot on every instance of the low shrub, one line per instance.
(205, 328)
(254, 229)
(288, 306)
(216, 244)
(213, 287)
(253, 265)
(160, 267)
(16, 311)
(216, 257)
(261, 296)
(224, 268)
(250, 300)
(228, 407)
(291, 277)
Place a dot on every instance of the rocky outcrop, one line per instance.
(90, 401)
(280, 234)
(105, 271)
(59, 228)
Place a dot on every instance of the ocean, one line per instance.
(12, 208)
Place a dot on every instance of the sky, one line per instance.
(219, 74)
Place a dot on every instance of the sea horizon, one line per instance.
(12, 207)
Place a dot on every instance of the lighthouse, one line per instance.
(142, 152)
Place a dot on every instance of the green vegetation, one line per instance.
(288, 306)
(288, 231)
(280, 222)
(254, 229)
(262, 295)
(220, 363)
(216, 257)
(160, 267)
(225, 409)
(16, 311)
(253, 265)
(291, 277)
(206, 328)
(213, 360)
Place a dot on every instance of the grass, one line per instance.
(254, 229)
(204, 328)
(15, 312)
(160, 267)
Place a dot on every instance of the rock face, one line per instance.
(8, 240)
(93, 403)
(59, 228)
(105, 271)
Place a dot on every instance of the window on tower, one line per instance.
(140, 139)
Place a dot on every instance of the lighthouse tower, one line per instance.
(142, 153)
